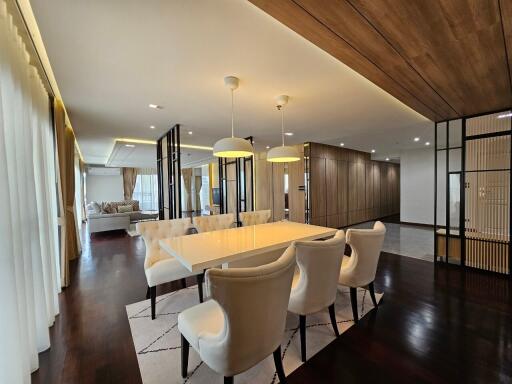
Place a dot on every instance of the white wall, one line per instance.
(417, 186)
(104, 188)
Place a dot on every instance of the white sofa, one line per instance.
(100, 221)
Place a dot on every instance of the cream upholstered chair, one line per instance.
(245, 320)
(314, 288)
(159, 266)
(214, 222)
(359, 269)
(255, 217)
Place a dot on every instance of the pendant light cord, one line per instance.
(232, 115)
(282, 123)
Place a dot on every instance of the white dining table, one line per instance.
(205, 250)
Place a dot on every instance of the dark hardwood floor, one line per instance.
(435, 324)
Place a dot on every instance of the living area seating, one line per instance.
(159, 266)
(359, 269)
(112, 215)
(315, 285)
(214, 222)
(255, 217)
(245, 320)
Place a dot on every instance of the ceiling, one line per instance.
(443, 58)
(113, 58)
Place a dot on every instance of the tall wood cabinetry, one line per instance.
(347, 187)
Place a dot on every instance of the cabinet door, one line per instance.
(342, 192)
(296, 202)
(331, 181)
(318, 188)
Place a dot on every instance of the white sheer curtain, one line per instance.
(29, 281)
(146, 189)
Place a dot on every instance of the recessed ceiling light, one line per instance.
(155, 106)
(373, 150)
(289, 133)
(267, 147)
(190, 132)
(342, 144)
(129, 145)
(504, 115)
(416, 139)
(152, 126)
(387, 158)
(427, 143)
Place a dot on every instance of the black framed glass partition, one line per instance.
(472, 191)
(168, 157)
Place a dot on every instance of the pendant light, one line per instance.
(284, 153)
(232, 147)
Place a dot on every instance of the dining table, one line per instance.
(201, 251)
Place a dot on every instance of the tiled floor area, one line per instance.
(407, 240)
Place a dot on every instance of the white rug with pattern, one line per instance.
(158, 344)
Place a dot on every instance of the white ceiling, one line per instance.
(113, 58)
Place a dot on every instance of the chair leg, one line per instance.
(152, 293)
(353, 300)
(228, 380)
(184, 356)
(279, 365)
(200, 280)
(183, 283)
(148, 293)
(372, 294)
(332, 315)
(302, 327)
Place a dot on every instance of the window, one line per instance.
(146, 190)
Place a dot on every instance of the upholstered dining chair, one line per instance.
(359, 269)
(214, 222)
(159, 266)
(255, 217)
(244, 321)
(315, 285)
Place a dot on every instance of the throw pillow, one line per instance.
(107, 208)
(124, 208)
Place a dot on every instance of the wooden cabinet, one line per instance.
(318, 187)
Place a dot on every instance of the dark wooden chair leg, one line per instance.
(302, 327)
(148, 293)
(228, 380)
(200, 280)
(353, 300)
(372, 294)
(332, 315)
(279, 365)
(184, 356)
(183, 283)
(152, 292)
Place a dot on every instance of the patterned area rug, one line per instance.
(158, 345)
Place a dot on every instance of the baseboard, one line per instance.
(431, 226)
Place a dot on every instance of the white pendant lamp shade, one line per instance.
(232, 147)
(284, 153)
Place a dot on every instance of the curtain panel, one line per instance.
(66, 157)
(29, 267)
(186, 173)
(129, 180)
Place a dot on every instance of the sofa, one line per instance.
(112, 215)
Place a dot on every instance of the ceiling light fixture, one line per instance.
(427, 143)
(505, 115)
(387, 158)
(155, 106)
(416, 139)
(373, 150)
(232, 147)
(190, 132)
(267, 147)
(342, 144)
(129, 145)
(284, 153)
(152, 126)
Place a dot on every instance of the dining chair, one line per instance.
(159, 266)
(214, 222)
(315, 285)
(244, 321)
(255, 217)
(359, 269)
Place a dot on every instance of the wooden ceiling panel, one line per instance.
(443, 58)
